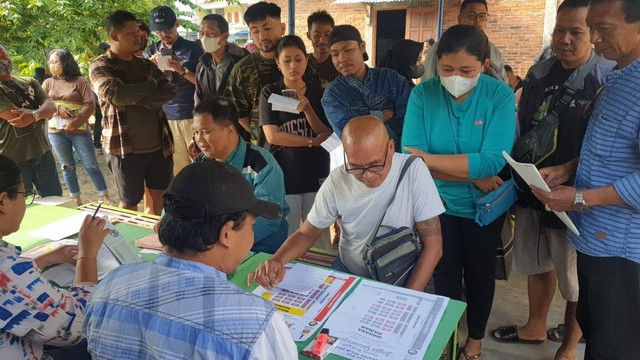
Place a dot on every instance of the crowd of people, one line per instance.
(188, 127)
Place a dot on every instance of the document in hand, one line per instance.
(530, 174)
(114, 252)
(283, 103)
(163, 63)
(333, 145)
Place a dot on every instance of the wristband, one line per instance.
(310, 142)
(87, 257)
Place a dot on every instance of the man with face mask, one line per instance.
(476, 13)
(24, 106)
(214, 67)
(185, 55)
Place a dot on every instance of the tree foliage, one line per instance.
(29, 29)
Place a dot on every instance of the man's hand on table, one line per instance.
(268, 274)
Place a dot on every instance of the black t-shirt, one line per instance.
(325, 70)
(304, 168)
(571, 127)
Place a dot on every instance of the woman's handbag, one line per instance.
(390, 257)
(497, 202)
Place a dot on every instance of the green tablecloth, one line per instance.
(445, 330)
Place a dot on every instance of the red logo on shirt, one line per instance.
(478, 122)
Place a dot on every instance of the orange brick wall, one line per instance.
(515, 26)
(342, 14)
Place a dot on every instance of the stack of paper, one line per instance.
(283, 103)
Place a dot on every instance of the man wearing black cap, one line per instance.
(185, 55)
(181, 305)
(361, 90)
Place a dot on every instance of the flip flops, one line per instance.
(509, 334)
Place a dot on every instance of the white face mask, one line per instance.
(210, 44)
(457, 85)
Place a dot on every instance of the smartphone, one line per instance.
(292, 93)
(166, 52)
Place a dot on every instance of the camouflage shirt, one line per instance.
(246, 81)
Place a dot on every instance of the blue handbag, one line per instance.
(490, 206)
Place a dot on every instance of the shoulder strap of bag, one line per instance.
(405, 167)
(570, 92)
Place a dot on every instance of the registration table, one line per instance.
(133, 226)
(446, 329)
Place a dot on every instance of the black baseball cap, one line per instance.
(162, 18)
(212, 188)
(346, 33)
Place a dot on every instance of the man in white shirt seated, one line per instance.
(356, 196)
(181, 306)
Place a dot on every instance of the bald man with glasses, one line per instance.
(357, 195)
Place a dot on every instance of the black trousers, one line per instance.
(469, 252)
(609, 307)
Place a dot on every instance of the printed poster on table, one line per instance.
(307, 296)
(380, 321)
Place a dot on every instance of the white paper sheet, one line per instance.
(163, 62)
(283, 103)
(380, 321)
(304, 281)
(114, 252)
(305, 314)
(60, 229)
(530, 174)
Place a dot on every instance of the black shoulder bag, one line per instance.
(542, 140)
(390, 257)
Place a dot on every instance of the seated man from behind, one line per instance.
(181, 306)
(357, 196)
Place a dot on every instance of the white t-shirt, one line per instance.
(358, 208)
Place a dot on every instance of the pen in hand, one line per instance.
(97, 209)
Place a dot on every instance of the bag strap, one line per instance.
(405, 167)
(572, 89)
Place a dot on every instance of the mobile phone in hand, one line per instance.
(166, 52)
(292, 93)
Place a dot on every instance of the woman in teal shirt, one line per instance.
(460, 122)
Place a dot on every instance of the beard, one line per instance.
(6, 66)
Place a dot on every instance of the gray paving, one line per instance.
(510, 306)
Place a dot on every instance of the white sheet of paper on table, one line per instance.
(381, 321)
(163, 62)
(530, 174)
(60, 229)
(301, 282)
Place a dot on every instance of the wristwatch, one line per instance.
(36, 114)
(578, 204)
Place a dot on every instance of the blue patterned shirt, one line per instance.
(611, 155)
(177, 309)
(32, 311)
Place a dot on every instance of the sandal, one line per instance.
(509, 334)
(556, 334)
(466, 356)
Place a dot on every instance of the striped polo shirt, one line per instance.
(611, 155)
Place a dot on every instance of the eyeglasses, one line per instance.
(473, 16)
(357, 171)
(29, 196)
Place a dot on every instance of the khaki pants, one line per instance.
(182, 135)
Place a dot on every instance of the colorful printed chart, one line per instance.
(305, 313)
